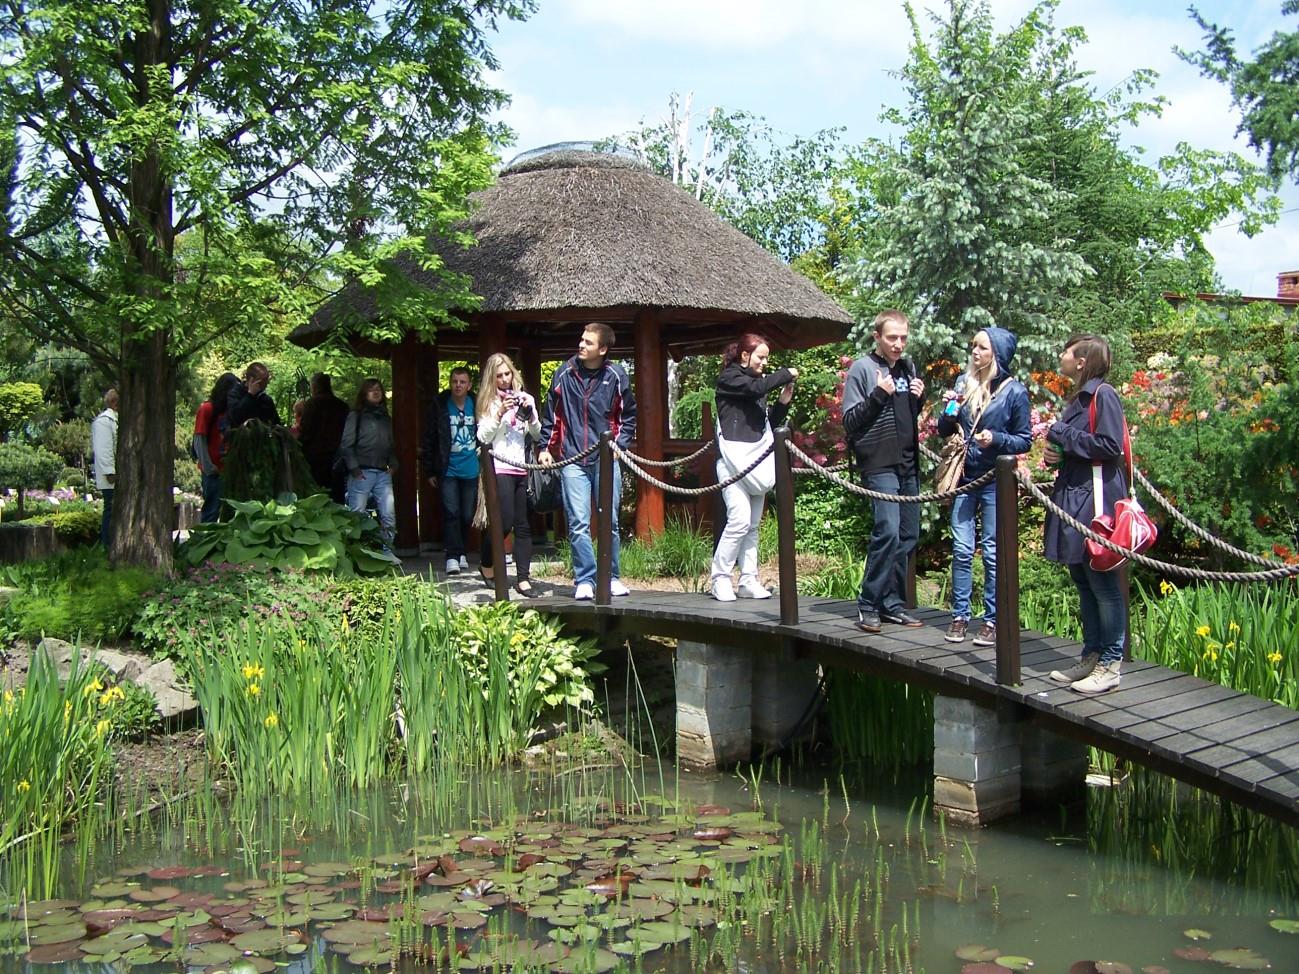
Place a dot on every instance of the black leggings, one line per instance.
(512, 492)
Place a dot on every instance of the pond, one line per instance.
(571, 870)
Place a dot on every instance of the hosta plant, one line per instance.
(307, 534)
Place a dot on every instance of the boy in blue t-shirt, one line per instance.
(450, 460)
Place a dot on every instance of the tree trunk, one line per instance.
(142, 499)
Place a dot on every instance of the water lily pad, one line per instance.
(1241, 959)
(1197, 934)
(586, 961)
(1015, 962)
(54, 954)
(668, 932)
(97, 921)
(977, 952)
(264, 941)
(357, 933)
(1112, 967)
(158, 894)
(1155, 969)
(635, 948)
(114, 943)
(331, 911)
(1284, 926)
(251, 965)
(205, 954)
(985, 967)
(111, 889)
(173, 872)
(370, 956)
(58, 934)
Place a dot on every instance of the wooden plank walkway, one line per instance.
(1232, 744)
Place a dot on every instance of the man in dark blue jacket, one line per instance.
(589, 395)
(881, 405)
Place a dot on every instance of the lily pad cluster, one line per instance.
(534, 893)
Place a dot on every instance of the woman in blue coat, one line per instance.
(1077, 446)
(989, 408)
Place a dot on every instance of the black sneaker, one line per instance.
(868, 621)
(901, 618)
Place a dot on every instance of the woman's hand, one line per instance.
(786, 394)
(793, 375)
(1051, 455)
(983, 438)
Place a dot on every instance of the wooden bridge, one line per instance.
(1231, 744)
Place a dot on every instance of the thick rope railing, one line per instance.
(626, 460)
(926, 498)
(1181, 571)
(679, 462)
(1200, 532)
(554, 465)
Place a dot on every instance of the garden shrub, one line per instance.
(826, 518)
(79, 526)
(19, 402)
(73, 477)
(70, 440)
(74, 595)
(304, 534)
(365, 601)
(203, 603)
(130, 709)
(264, 462)
(24, 468)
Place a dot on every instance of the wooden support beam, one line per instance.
(430, 508)
(650, 364)
(404, 409)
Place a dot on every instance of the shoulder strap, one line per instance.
(1127, 439)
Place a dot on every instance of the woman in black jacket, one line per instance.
(744, 424)
(367, 452)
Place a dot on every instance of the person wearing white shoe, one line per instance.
(1087, 444)
(744, 424)
(585, 592)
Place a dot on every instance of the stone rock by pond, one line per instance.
(174, 699)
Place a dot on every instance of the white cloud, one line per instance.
(1251, 265)
(537, 123)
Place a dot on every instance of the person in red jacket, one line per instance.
(589, 395)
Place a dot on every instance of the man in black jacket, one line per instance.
(248, 399)
(449, 455)
(323, 418)
(882, 396)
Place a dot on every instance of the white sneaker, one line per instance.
(453, 566)
(616, 587)
(1102, 679)
(584, 592)
(751, 588)
(464, 562)
(722, 590)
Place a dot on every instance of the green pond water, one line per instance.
(565, 870)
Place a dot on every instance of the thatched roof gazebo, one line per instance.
(569, 237)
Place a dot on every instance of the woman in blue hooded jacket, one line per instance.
(992, 415)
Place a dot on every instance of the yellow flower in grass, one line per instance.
(1203, 631)
(1211, 652)
(271, 720)
(111, 696)
(24, 785)
(94, 686)
(254, 671)
(254, 689)
(67, 711)
(1166, 587)
(1274, 658)
(1233, 627)
(102, 728)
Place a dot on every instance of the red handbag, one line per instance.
(1129, 527)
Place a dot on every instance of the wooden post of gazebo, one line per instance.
(405, 434)
(430, 385)
(651, 420)
(491, 339)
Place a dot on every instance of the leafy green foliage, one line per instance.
(263, 462)
(24, 467)
(1262, 88)
(130, 709)
(19, 402)
(311, 534)
(828, 518)
(201, 604)
(70, 440)
(72, 527)
(75, 595)
(365, 601)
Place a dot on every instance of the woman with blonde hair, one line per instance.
(507, 416)
(989, 408)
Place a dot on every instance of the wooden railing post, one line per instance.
(604, 556)
(1007, 494)
(909, 596)
(785, 530)
(495, 530)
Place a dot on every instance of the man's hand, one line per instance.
(358, 473)
(887, 384)
(432, 481)
(917, 387)
(544, 458)
(1051, 455)
(111, 477)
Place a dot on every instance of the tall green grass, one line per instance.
(55, 763)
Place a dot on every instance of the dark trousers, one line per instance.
(211, 498)
(893, 538)
(106, 522)
(513, 495)
(459, 497)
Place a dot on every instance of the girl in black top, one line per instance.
(744, 423)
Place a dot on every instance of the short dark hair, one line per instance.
(463, 370)
(603, 333)
(363, 390)
(322, 383)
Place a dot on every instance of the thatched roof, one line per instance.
(569, 237)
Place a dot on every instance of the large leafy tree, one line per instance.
(1265, 88)
(282, 142)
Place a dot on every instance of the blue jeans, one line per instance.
(106, 522)
(1104, 613)
(981, 502)
(379, 484)
(459, 497)
(211, 498)
(580, 485)
(893, 538)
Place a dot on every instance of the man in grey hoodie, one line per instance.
(882, 396)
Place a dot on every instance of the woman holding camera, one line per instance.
(507, 415)
(989, 408)
(744, 423)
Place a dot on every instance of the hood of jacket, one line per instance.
(1003, 344)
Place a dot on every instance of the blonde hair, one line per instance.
(487, 391)
(890, 315)
(978, 385)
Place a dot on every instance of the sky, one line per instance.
(588, 69)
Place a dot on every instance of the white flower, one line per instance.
(175, 491)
